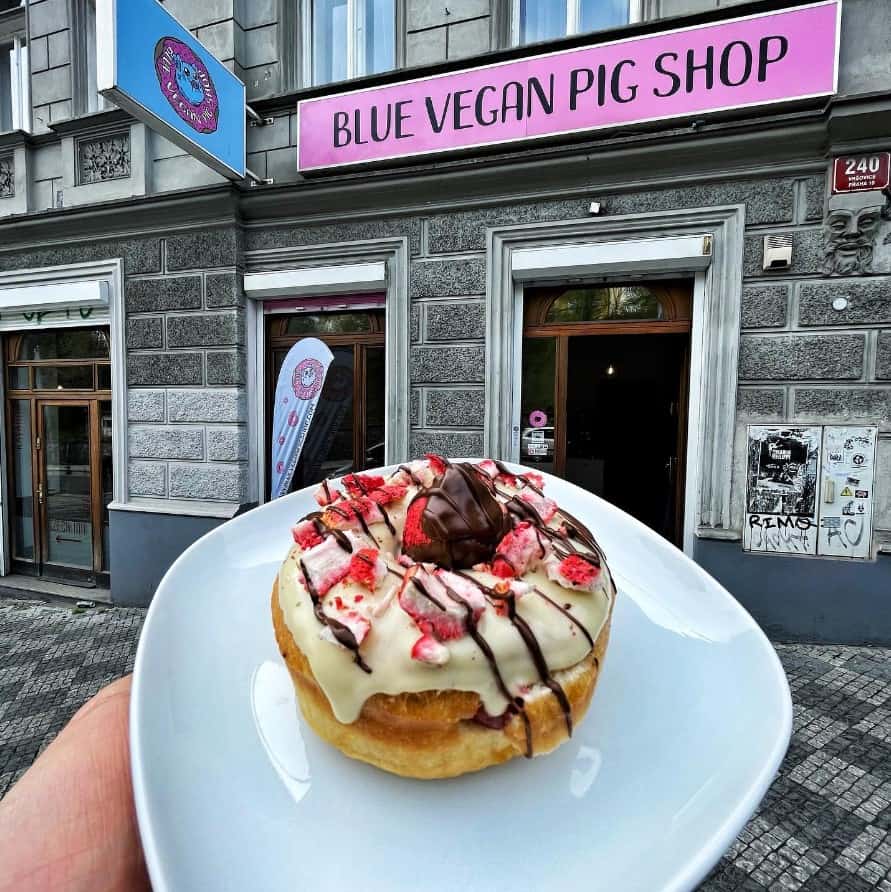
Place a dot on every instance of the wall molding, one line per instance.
(717, 271)
(109, 276)
(391, 257)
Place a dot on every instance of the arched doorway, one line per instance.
(604, 392)
(58, 415)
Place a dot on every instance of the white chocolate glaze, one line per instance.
(387, 648)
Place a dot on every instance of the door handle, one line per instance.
(670, 467)
(39, 493)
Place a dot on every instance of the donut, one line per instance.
(443, 618)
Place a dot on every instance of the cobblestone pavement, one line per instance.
(826, 821)
(825, 824)
(52, 660)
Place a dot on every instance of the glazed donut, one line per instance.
(442, 619)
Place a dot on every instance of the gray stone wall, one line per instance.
(260, 44)
(800, 360)
(187, 414)
(52, 93)
(436, 30)
(185, 376)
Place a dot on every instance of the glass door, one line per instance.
(58, 386)
(347, 430)
(65, 486)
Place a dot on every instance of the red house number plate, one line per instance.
(861, 173)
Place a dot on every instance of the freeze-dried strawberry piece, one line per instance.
(488, 467)
(306, 535)
(461, 588)
(415, 473)
(428, 650)
(535, 479)
(345, 515)
(326, 564)
(367, 568)
(491, 470)
(501, 568)
(575, 572)
(326, 495)
(445, 617)
(437, 463)
(362, 484)
(544, 507)
(413, 533)
(355, 622)
(390, 492)
(520, 550)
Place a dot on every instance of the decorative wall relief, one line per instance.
(7, 177)
(857, 234)
(105, 158)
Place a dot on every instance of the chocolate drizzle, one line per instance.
(411, 474)
(465, 516)
(534, 648)
(575, 620)
(341, 632)
(483, 645)
(462, 521)
(323, 531)
(346, 515)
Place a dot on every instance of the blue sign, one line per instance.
(153, 67)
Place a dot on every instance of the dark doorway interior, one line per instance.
(604, 392)
(624, 415)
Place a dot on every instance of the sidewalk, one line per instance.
(825, 824)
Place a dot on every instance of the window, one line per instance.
(14, 95)
(348, 38)
(536, 20)
(83, 35)
(347, 433)
(607, 305)
(598, 304)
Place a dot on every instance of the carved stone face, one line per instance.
(850, 236)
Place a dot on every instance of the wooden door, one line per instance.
(580, 342)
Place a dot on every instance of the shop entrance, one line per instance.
(347, 430)
(58, 414)
(604, 393)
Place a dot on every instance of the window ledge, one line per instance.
(93, 121)
(11, 138)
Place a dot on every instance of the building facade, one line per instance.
(618, 306)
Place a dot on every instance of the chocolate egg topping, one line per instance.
(455, 523)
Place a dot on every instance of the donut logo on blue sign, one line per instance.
(187, 85)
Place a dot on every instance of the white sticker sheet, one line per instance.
(810, 490)
(847, 491)
(781, 491)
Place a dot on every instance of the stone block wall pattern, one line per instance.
(792, 357)
(868, 302)
(436, 30)
(52, 88)
(883, 356)
(186, 370)
(764, 306)
(259, 41)
(856, 405)
(760, 402)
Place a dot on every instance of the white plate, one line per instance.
(687, 728)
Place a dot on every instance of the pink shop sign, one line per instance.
(778, 56)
